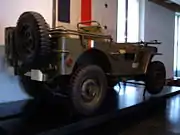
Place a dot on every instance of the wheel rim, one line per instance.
(90, 91)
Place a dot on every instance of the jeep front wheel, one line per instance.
(155, 77)
(89, 88)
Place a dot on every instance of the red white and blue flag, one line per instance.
(81, 8)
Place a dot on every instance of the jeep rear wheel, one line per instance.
(89, 88)
(155, 77)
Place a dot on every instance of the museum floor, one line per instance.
(164, 122)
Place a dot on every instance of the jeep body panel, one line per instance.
(122, 57)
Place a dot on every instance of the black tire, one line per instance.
(95, 75)
(32, 40)
(155, 77)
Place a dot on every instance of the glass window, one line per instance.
(128, 9)
(133, 21)
(121, 20)
(177, 46)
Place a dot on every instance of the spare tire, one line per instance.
(32, 40)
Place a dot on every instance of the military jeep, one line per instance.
(81, 64)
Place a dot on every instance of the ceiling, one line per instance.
(173, 5)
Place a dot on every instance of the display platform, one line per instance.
(35, 117)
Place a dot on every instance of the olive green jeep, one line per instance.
(81, 64)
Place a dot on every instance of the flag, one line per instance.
(74, 11)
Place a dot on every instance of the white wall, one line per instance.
(106, 16)
(159, 24)
(11, 9)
